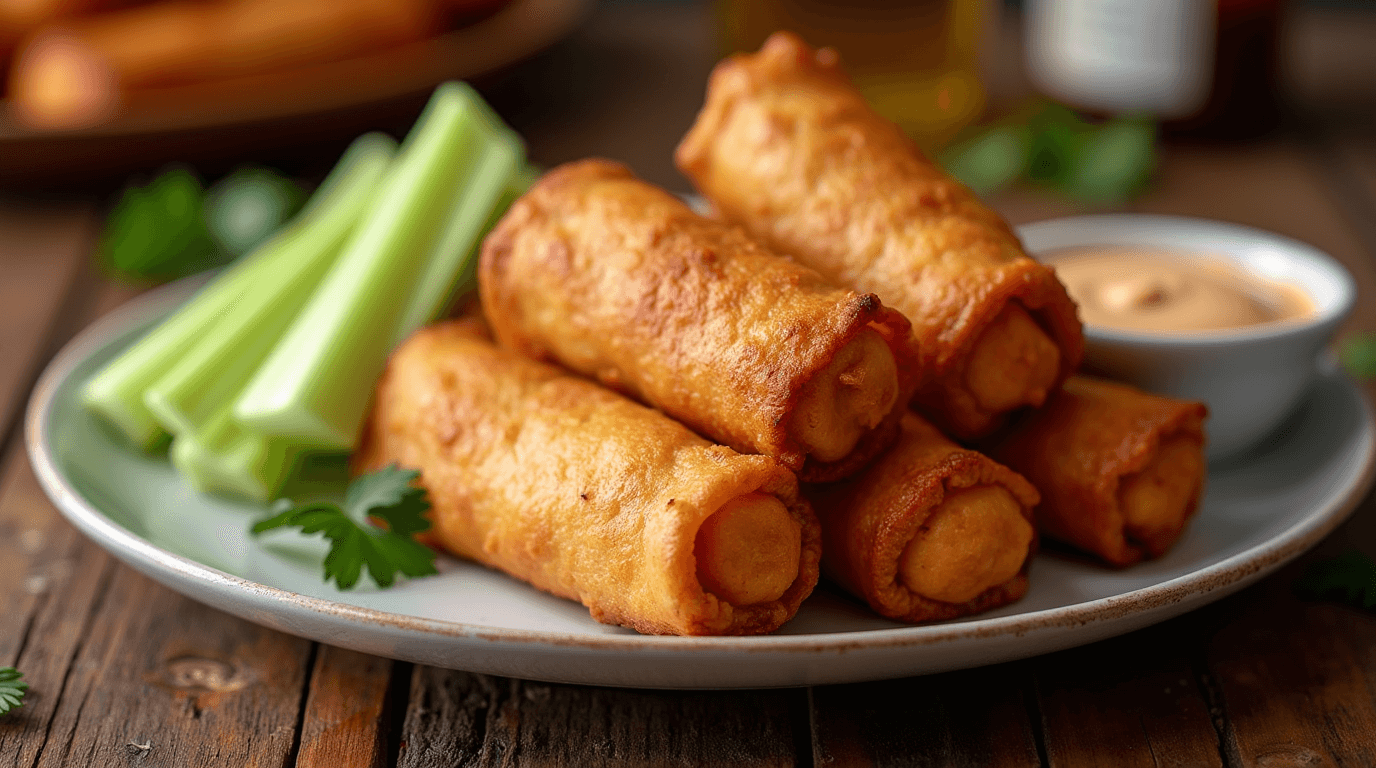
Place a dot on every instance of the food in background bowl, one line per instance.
(72, 68)
(1251, 376)
(1159, 291)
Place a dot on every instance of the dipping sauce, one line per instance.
(1139, 289)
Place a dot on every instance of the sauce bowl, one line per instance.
(1251, 378)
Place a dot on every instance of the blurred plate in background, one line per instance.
(229, 118)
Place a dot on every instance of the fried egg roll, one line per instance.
(786, 147)
(929, 530)
(621, 281)
(1120, 471)
(590, 496)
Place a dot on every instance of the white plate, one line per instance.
(1259, 512)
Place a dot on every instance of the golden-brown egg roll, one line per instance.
(585, 494)
(621, 281)
(787, 147)
(929, 530)
(1120, 471)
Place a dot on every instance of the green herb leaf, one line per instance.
(1349, 578)
(388, 495)
(1114, 161)
(990, 160)
(1358, 354)
(1058, 138)
(11, 689)
(158, 232)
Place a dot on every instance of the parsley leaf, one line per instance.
(11, 689)
(172, 226)
(355, 542)
(157, 231)
(1350, 578)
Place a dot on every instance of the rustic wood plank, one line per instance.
(973, 718)
(1356, 153)
(176, 683)
(114, 659)
(1129, 701)
(1295, 680)
(463, 719)
(1349, 152)
(42, 249)
(51, 577)
(345, 720)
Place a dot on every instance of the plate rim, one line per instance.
(1177, 595)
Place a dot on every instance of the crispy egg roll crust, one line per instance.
(569, 486)
(621, 281)
(788, 148)
(868, 520)
(1079, 447)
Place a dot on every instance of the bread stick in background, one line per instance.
(619, 280)
(20, 17)
(787, 147)
(587, 495)
(72, 74)
(929, 530)
(1120, 471)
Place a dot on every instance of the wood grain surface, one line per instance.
(127, 673)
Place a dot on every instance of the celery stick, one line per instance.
(223, 459)
(481, 200)
(216, 368)
(116, 392)
(315, 385)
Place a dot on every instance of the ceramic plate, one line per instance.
(1259, 512)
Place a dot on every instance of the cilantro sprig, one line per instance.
(172, 226)
(1349, 578)
(389, 495)
(1052, 146)
(12, 689)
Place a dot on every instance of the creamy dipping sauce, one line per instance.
(1144, 289)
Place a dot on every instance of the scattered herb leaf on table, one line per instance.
(12, 689)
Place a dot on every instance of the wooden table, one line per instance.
(125, 672)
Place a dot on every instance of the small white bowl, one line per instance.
(1251, 378)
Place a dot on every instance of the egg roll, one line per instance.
(1120, 471)
(590, 496)
(929, 530)
(620, 281)
(786, 147)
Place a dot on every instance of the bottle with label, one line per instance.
(1122, 55)
(1204, 67)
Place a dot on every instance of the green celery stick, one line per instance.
(481, 200)
(315, 385)
(223, 459)
(116, 392)
(467, 278)
(214, 371)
